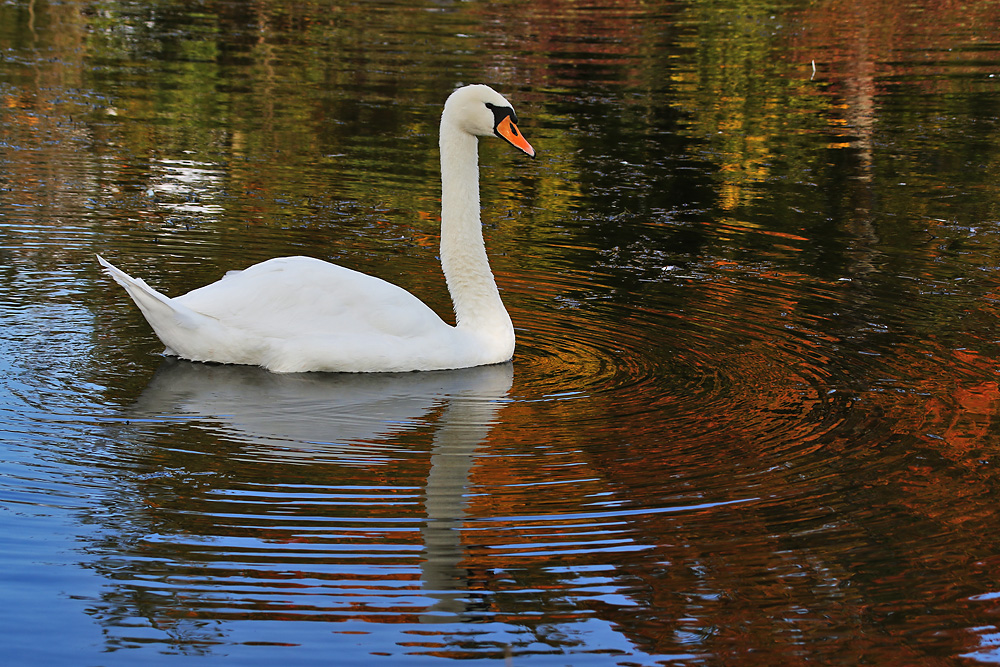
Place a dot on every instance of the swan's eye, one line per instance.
(499, 113)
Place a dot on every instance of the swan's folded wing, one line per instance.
(292, 297)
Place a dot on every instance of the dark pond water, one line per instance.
(753, 413)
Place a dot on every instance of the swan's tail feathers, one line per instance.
(163, 313)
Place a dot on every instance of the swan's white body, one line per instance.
(295, 314)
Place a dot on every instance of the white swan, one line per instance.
(296, 314)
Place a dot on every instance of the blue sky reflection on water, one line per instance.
(751, 418)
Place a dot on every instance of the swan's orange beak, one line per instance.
(508, 130)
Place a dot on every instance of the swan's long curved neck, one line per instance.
(463, 253)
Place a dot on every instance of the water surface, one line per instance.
(751, 418)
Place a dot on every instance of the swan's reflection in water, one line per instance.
(351, 420)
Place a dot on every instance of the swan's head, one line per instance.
(482, 111)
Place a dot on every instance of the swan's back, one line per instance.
(294, 297)
(294, 314)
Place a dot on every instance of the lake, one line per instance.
(753, 416)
